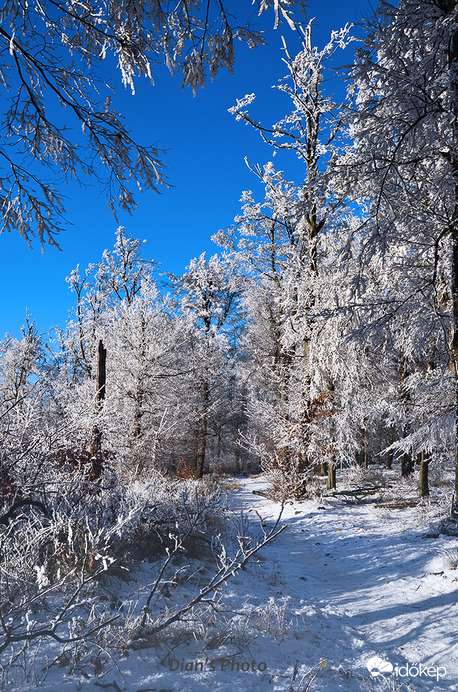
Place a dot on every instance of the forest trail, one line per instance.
(366, 582)
(345, 583)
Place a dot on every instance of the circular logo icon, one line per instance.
(377, 666)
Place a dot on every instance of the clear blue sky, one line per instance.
(205, 158)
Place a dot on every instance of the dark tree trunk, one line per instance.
(424, 469)
(138, 413)
(96, 445)
(365, 451)
(407, 465)
(389, 455)
(139, 394)
(455, 306)
(332, 479)
(202, 441)
(449, 8)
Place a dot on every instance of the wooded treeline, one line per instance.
(323, 334)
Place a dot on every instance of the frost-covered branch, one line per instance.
(51, 68)
(229, 566)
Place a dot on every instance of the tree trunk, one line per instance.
(202, 441)
(96, 445)
(138, 458)
(139, 394)
(332, 480)
(449, 7)
(389, 455)
(424, 469)
(138, 413)
(365, 451)
(407, 462)
(406, 465)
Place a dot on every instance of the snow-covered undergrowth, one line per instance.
(350, 581)
(97, 572)
(60, 556)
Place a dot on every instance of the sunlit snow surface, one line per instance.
(345, 583)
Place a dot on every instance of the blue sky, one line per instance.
(205, 159)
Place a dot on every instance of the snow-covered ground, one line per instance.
(344, 584)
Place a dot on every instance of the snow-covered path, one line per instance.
(345, 583)
(367, 583)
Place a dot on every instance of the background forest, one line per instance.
(323, 331)
(322, 335)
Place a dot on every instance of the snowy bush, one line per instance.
(286, 479)
(450, 558)
(58, 562)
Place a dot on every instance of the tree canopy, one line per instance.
(58, 122)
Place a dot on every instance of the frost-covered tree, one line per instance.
(209, 292)
(57, 111)
(21, 361)
(280, 245)
(391, 381)
(116, 278)
(172, 398)
(118, 313)
(30, 415)
(149, 412)
(262, 245)
(402, 172)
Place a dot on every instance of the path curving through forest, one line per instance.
(367, 583)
